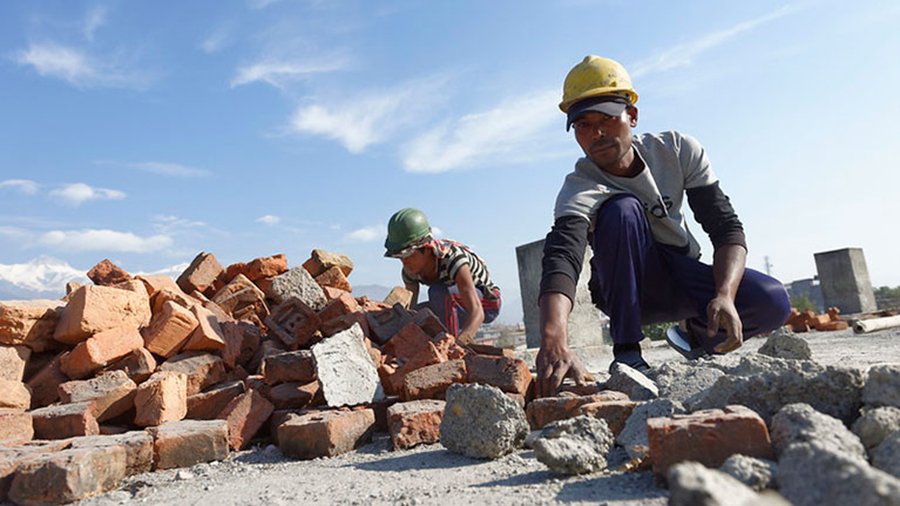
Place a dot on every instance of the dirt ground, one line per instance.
(374, 474)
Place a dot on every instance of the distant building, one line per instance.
(810, 288)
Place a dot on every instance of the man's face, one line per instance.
(605, 139)
(415, 262)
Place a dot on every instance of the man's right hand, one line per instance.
(555, 361)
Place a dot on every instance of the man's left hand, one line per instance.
(721, 311)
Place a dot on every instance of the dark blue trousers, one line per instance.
(445, 302)
(637, 281)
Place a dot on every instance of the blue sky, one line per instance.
(149, 131)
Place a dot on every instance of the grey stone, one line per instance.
(876, 425)
(886, 456)
(766, 384)
(632, 382)
(345, 369)
(800, 423)
(692, 484)
(138, 445)
(68, 475)
(757, 474)
(634, 436)
(882, 386)
(785, 344)
(299, 283)
(810, 475)
(679, 381)
(575, 446)
(482, 422)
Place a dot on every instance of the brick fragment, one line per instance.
(266, 348)
(342, 323)
(160, 399)
(408, 342)
(138, 446)
(201, 369)
(433, 381)
(708, 437)
(156, 283)
(107, 273)
(44, 384)
(242, 299)
(13, 360)
(493, 351)
(159, 299)
(368, 305)
(449, 346)
(290, 366)
(385, 323)
(332, 293)
(204, 269)
(333, 277)
(188, 442)
(295, 395)
(65, 420)
(615, 413)
(508, 374)
(343, 305)
(29, 323)
(399, 295)
(294, 322)
(416, 422)
(321, 260)
(68, 475)
(325, 433)
(245, 415)
(236, 374)
(429, 322)
(14, 395)
(208, 334)
(138, 365)
(241, 342)
(92, 309)
(266, 267)
(111, 393)
(106, 346)
(16, 428)
(170, 329)
(208, 404)
(541, 412)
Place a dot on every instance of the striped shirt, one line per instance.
(451, 256)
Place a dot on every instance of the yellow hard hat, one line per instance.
(596, 76)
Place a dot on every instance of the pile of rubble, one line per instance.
(803, 321)
(134, 374)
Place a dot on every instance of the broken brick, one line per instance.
(342, 323)
(265, 267)
(415, 422)
(294, 395)
(160, 399)
(290, 366)
(333, 277)
(92, 309)
(245, 415)
(14, 395)
(321, 260)
(44, 384)
(204, 269)
(138, 365)
(242, 299)
(428, 355)
(208, 404)
(493, 351)
(65, 420)
(343, 305)
(541, 412)
(29, 323)
(107, 273)
(155, 283)
(16, 428)
(201, 369)
(208, 334)
(324, 433)
(406, 343)
(429, 322)
(385, 323)
(508, 374)
(169, 330)
(166, 295)
(111, 393)
(187, 442)
(399, 295)
(138, 446)
(615, 413)
(294, 322)
(68, 475)
(449, 347)
(13, 360)
(332, 293)
(433, 381)
(106, 346)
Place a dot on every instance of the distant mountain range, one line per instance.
(41, 278)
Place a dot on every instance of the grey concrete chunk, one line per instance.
(692, 484)
(297, 282)
(800, 423)
(679, 381)
(634, 436)
(345, 369)
(886, 456)
(876, 425)
(482, 422)
(632, 382)
(138, 445)
(785, 344)
(757, 474)
(575, 446)
(883, 386)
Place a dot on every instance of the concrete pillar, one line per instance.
(584, 323)
(844, 280)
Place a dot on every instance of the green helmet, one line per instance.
(407, 229)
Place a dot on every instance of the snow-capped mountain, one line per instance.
(41, 278)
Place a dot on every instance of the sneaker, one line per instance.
(682, 342)
(632, 359)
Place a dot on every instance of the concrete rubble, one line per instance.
(135, 374)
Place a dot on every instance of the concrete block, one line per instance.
(188, 442)
(690, 483)
(106, 346)
(876, 425)
(575, 446)
(325, 433)
(416, 422)
(345, 369)
(632, 382)
(844, 279)
(112, 394)
(29, 323)
(92, 309)
(882, 386)
(758, 474)
(298, 283)
(482, 422)
(800, 423)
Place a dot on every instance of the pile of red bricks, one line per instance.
(804, 321)
(139, 373)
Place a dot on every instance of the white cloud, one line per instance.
(279, 72)
(162, 168)
(216, 41)
(95, 18)
(23, 185)
(268, 219)
(683, 55)
(79, 68)
(512, 132)
(366, 234)
(104, 240)
(173, 271)
(42, 274)
(78, 193)
(173, 224)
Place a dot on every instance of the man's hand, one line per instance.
(554, 361)
(721, 311)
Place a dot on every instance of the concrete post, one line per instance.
(844, 280)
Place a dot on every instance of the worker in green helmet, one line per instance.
(460, 291)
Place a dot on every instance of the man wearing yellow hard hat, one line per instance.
(625, 198)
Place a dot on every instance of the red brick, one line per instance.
(69, 475)
(343, 305)
(429, 355)
(138, 446)
(29, 322)
(399, 295)
(159, 299)
(202, 369)
(416, 422)
(241, 342)
(290, 366)
(44, 384)
(332, 293)
(133, 285)
(188, 442)
(294, 395)
(208, 404)
(833, 325)
(542, 411)
(92, 309)
(708, 437)
(208, 334)
(169, 330)
(342, 323)
(508, 374)
(13, 360)
(245, 415)
(833, 313)
(321, 260)
(368, 305)
(325, 433)
(65, 420)
(138, 365)
(294, 323)
(160, 399)
(493, 351)
(111, 393)
(430, 323)
(433, 381)
(266, 267)
(615, 413)
(448, 346)
(579, 390)
(106, 273)
(266, 348)
(14, 395)
(242, 299)
(16, 427)
(204, 269)
(408, 342)
(156, 283)
(106, 346)
(333, 277)
(385, 323)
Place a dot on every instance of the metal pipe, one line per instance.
(864, 326)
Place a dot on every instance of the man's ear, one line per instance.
(632, 115)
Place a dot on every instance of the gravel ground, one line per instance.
(375, 474)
